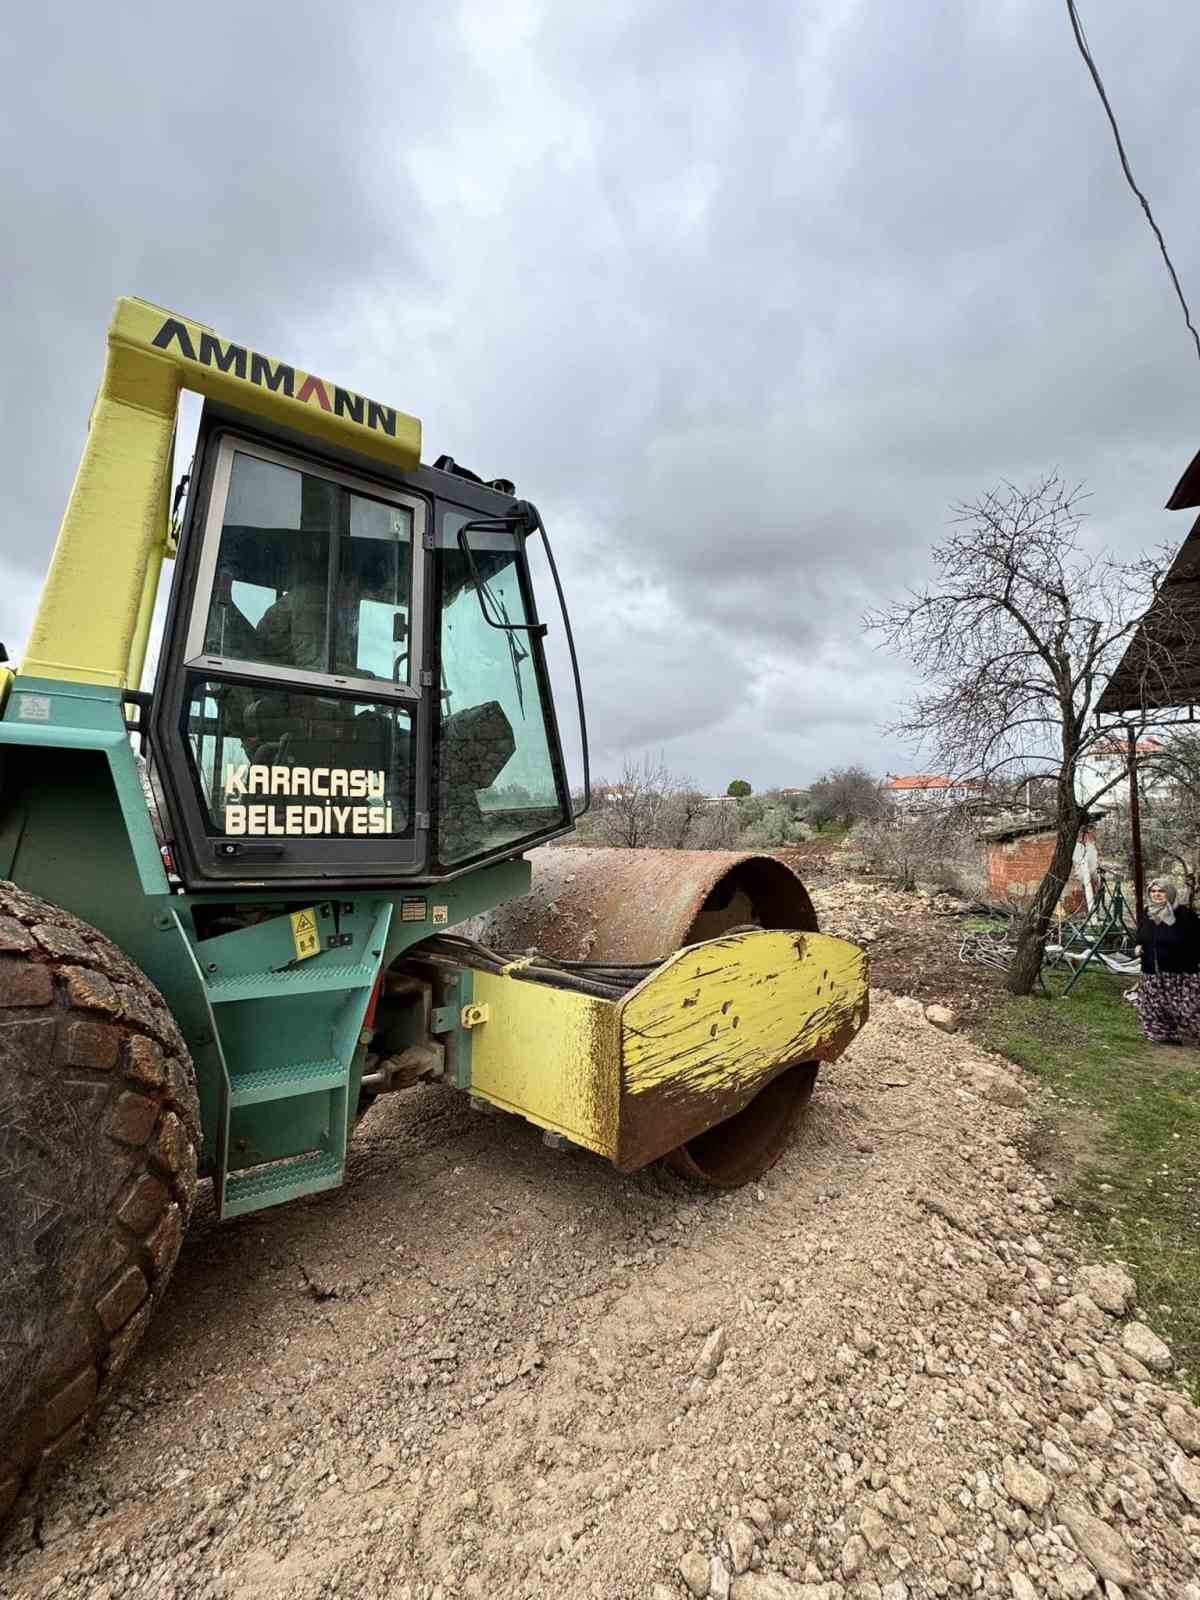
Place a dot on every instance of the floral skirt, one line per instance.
(1168, 1005)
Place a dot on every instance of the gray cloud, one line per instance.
(744, 298)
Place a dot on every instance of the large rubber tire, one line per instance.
(99, 1133)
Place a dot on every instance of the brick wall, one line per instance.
(1017, 866)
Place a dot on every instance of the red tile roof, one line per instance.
(1120, 747)
(930, 780)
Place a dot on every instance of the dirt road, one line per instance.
(486, 1369)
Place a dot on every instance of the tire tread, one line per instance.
(116, 1045)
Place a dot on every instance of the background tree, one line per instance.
(845, 795)
(649, 808)
(630, 814)
(939, 845)
(652, 808)
(739, 789)
(1031, 792)
(682, 816)
(1014, 640)
(771, 818)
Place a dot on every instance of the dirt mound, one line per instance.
(911, 938)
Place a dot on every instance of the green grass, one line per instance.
(833, 832)
(1119, 1129)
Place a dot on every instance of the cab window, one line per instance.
(496, 776)
(274, 761)
(311, 576)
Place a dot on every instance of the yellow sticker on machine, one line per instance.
(304, 934)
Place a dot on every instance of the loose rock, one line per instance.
(694, 1570)
(943, 1018)
(1182, 1422)
(854, 1553)
(1101, 1546)
(1026, 1484)
(1185, 1475)
(1075, 1581)
(998, 1087)
(1110, 1287)
(741, 1545)
(711, 1356)
(1080, 1308)
(874, 1529)
(1144, 1345)
(769, 1586)
(1097, 1425)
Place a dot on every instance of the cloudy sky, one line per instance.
(743, 296)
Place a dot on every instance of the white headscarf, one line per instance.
(1162, 914)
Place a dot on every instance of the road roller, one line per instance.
(319, 859)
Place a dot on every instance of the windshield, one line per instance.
(496, 778)
(310, 575)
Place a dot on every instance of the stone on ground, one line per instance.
(1144, 1345)
(1101, 1546)
(1109, 1286)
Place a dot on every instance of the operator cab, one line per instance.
(353, 684)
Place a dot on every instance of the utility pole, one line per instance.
(1135, 823)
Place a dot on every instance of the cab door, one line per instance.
(290, 722)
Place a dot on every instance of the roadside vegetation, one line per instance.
(1119, 1130)
(651, 808)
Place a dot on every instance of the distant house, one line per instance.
(609, 791)
(928, 789)
(1109, 758)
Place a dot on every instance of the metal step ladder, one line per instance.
(288, 998)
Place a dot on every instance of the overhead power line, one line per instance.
(1081, 41)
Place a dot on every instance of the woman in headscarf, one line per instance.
(1168, 996)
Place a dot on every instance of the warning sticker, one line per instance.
(413, 910)
(441, 914)
(33, 707)
(304, 934)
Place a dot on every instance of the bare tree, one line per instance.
(1014, 640)
(681, 816)
(719, 827)
(938, 844)
(845, 795)
(650, 808)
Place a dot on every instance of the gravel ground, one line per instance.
(484, 1369)
(912, 940)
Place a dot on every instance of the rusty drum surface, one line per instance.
(630, 906)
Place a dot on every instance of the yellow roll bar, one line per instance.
(93, 620)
